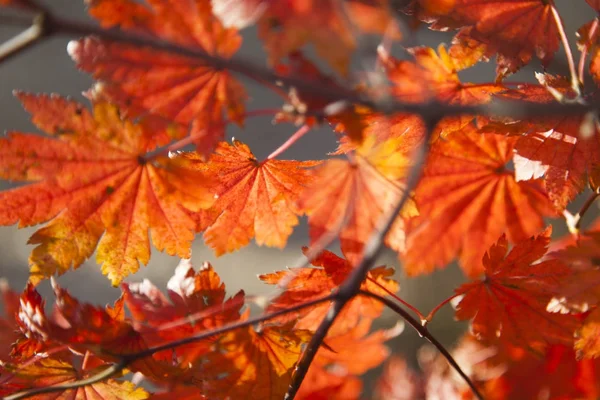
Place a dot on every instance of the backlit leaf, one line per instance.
(89, 174)
(195, 302)
(509, 303)
(467, 198)
(286, 26)
(305, 284)
(365, 188)
(259, 361)
(186, 90)
(254, 198)
(515, 29)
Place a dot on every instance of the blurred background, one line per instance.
(47, 68)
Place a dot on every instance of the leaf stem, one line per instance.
(575, 82)
(437, 308)
(398, 299)
(584, 51)
(424, 332)
(288, 143)
(181, 143)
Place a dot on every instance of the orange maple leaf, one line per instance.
(82, 326)
(304, 284)
(434, 76)
(335, 370)
(196, 302)
(254, 198)
(515, 29)
(580, 291)
(509, 303)
(256, 364)
(93, 177)
(142, 80)
(324, 384)
(555, 375)
(467, 199)
(553, 147)
(364, 189)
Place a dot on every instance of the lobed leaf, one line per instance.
(467, 198)
(509, 303)
(141, 80)
(90, 180)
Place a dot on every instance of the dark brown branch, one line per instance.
(424, 332)
(126, 360)
(351, 285)
(55, 25)
(430, 110)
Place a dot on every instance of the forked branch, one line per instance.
(351, 286)
(424, 332)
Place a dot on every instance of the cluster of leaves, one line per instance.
(113, 179)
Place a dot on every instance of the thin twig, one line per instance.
(371, 251)
(437, 308)
(99, 377)
(424, 332)
(584, 51)
(399, 300)
(575, 82)
(288, 143)
(23, 40)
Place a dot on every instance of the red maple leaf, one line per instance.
(514, 29)
(509, 303)
(143, 80)
(467, 199)
(311, 283)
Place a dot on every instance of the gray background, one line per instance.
(47, 68)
